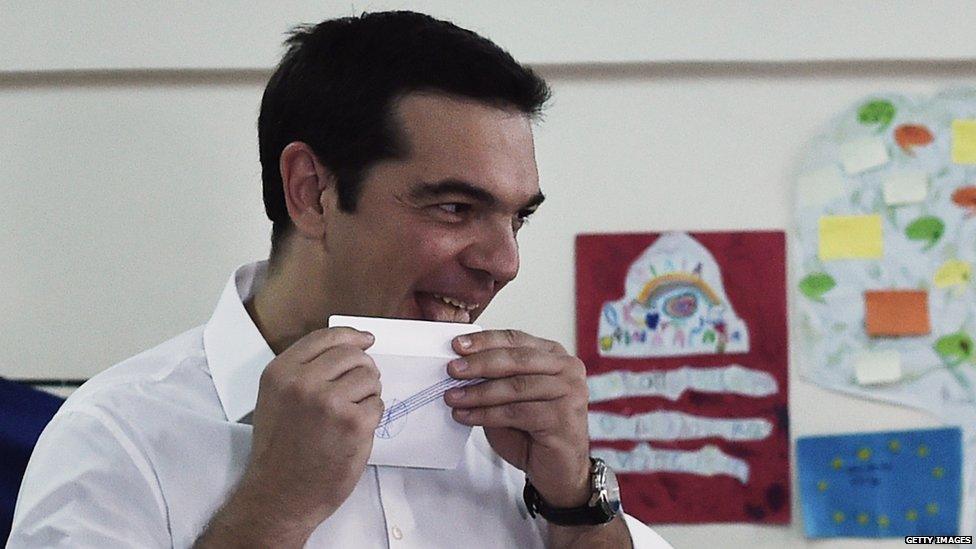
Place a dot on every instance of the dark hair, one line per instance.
(336, 88)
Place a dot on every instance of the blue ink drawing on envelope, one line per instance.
(395, 415)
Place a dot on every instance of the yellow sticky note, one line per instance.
(850, 237)
(964, 141)
(954, 272)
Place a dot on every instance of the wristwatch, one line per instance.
(602, 507)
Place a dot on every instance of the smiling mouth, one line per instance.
(456, 303)
(443, 308)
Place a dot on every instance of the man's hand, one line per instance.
(532, 406)
(318, 406)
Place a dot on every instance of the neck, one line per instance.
(282, 310)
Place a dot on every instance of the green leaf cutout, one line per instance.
(954, 349)
(815, 285)
(928, 229)
(878, 112)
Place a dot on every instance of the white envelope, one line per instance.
(417, 429)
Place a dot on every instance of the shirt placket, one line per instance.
(401, 528)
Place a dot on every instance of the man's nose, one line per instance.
(494, 251)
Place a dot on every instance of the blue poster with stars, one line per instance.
(877, 485)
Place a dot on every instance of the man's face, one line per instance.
(433, 236)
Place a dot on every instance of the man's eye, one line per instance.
(523, 216)
(454, 207)
(521, 219)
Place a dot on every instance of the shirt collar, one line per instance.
(236, 351)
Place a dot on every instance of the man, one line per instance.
(398, 167)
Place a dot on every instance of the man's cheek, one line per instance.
(435, 244)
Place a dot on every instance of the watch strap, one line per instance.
(575, 516)
(585, 515)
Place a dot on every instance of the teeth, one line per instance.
(456, 303)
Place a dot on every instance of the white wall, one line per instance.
(128, 196)
(245, 34)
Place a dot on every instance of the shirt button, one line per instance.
(397, 534)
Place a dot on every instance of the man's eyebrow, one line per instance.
(428, 190)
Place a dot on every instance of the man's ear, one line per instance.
(303, 180)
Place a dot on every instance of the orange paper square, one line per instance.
(896, 312)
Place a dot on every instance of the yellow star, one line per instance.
(923, 451)
(864, 454)
(894, 445)
(932, 508)
(838, 517)
(883, 521)
(938, 472)
(822, 486)
(862, 518)
(837, 463)
(911, 515)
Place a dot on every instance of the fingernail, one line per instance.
(459, 364)
(464, 342)
(456, 394)
(462, 413)
(370, 336)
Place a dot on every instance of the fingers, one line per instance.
(489, 339)
(359, 384)
(510, 361)
(374, 408)
(315, 343)
(530, 388)
(531, 417)
(336, 361)
(495, 392)
(296, 379)
(526, 402)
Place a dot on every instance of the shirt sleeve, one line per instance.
(88, 485)
(642, 536)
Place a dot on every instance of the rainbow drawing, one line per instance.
(674, 305)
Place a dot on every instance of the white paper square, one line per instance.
(863, 154)
(412, 356)
(820, 187)
(907, 187)
(877, 367)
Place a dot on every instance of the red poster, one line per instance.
(684, 336)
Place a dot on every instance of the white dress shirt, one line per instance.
(146, 452)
